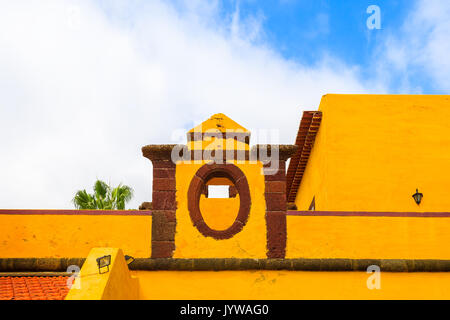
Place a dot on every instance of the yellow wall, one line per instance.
(213, 143)
(373, 151)
(308, 237)
(368, 237)
(116, 284)
(249, 243)
(56, 236)
(228, 285)
(219, 214)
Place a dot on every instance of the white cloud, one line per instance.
(420, 49)
(83, 87)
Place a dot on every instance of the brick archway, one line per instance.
(198, 183)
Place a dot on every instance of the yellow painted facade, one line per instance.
(224, 217)
(368, 237)
(73, 236)
(373, 151)
(289, 285)
(249, 243)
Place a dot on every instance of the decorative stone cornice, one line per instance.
(158, 151)
(258, 152)
(386, 265)
(38, 264)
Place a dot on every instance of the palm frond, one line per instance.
(83, 200)
(101, 189)
(104, 197)
(121, 195)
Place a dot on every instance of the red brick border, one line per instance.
(163, 200)
(275, 195)
(196, 188)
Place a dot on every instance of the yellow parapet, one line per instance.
(52, 234)
(290, 285)
(116, 284)
(359, 237)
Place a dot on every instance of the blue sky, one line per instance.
(308, 32)
(305, 31)
(105, 77)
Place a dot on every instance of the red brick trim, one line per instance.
(275, 186)
(163, 199)
(164, 206)
(196, 188)
(232, 192)
(369, 214)
(76, 212)
(275, 195)
(163, 249)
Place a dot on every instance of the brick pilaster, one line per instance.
(163, 200)
(275, 195)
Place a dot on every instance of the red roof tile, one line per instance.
(33, 288)
(309, 126)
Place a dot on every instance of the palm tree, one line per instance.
(121, 195)
(104, 197)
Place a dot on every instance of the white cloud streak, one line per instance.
(83, 88)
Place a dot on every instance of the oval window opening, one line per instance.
(219, 218)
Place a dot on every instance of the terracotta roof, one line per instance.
(33, 288)
(309, 126)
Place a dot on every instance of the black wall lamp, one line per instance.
(417, 197)
(129, 259)
(103, 262)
